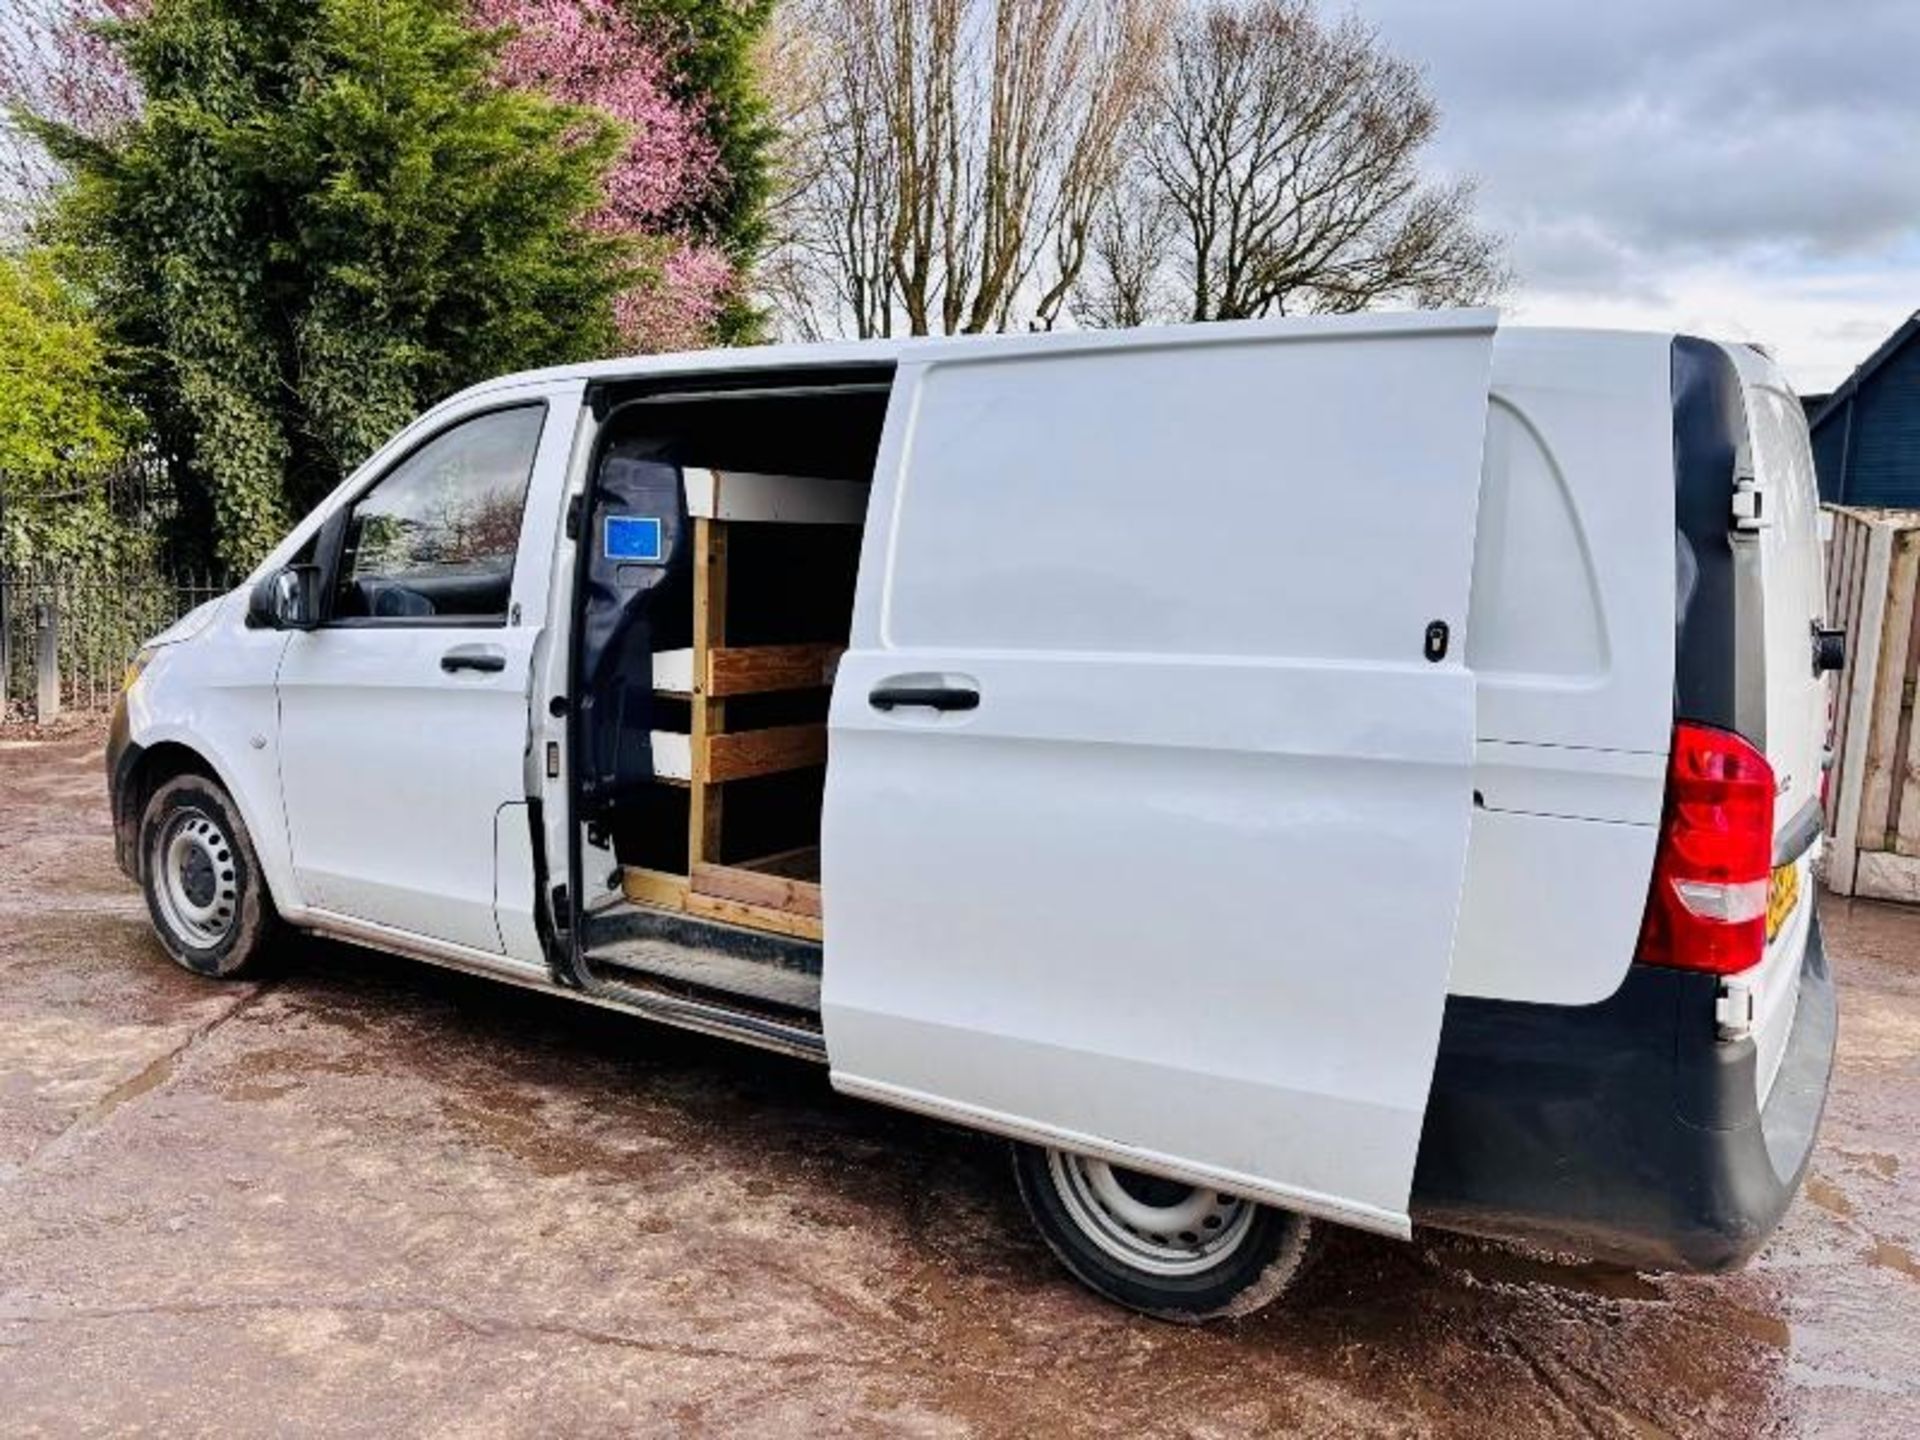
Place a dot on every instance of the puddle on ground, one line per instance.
(1889, 1256)
(284, 1065)
(1767, 1329)
(548, 1148)
(149, 1077)
(1828, 1196)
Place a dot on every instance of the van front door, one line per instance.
(1150, 760)
(404, 716)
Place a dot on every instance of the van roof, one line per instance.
(1013, 346)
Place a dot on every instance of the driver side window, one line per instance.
(435, 538)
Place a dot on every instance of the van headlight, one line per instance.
(142, 658)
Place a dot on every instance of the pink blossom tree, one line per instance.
(55, 63)
(592, 52)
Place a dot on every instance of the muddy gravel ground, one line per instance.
(370, 1196)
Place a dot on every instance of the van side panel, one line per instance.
(1571, 640)
(1571, 645)
(1177, 885)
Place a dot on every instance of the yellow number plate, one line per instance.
(1783, 893)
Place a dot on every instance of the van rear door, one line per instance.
(1791, 593)
(1782, 596)
(1150, 761)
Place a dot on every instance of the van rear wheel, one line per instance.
(204, 890)
(1169, 1249)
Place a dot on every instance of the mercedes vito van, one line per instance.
(1360, 770)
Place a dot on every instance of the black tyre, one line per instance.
(1160, 1246)
(209, 904)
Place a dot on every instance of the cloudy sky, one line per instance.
(1744, 168)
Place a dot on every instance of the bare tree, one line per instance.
(946, 160)
(826, 270)
(1125, 281)
(1286, 151)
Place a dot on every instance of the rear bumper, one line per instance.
(1626, 1130)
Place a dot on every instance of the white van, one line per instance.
(1356, 769)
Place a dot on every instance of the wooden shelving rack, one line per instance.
(778, 893)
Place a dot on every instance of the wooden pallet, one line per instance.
(1873, 799)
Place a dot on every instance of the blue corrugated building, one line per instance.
(1866, 436)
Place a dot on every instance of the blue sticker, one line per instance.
(634, 537)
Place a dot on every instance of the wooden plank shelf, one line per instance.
(662, 891)
(755, 887)
(744, 754)
(679, 759)
(763, 669)
(747, 670)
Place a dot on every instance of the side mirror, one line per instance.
(288, 599)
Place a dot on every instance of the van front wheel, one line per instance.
(208, 901)
(1173, 1250)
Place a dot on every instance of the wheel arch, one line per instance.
(149, 766)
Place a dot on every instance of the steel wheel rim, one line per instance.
(197, 879)
(1185, 1235)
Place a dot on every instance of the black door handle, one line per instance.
(933, 697)
(1829, 649)
(473, 657)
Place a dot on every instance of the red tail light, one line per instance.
(1707, 909)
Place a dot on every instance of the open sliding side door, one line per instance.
(1149, 787)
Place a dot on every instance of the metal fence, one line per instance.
(65, 639)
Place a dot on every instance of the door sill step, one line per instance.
(632, 942)
(727, 974)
